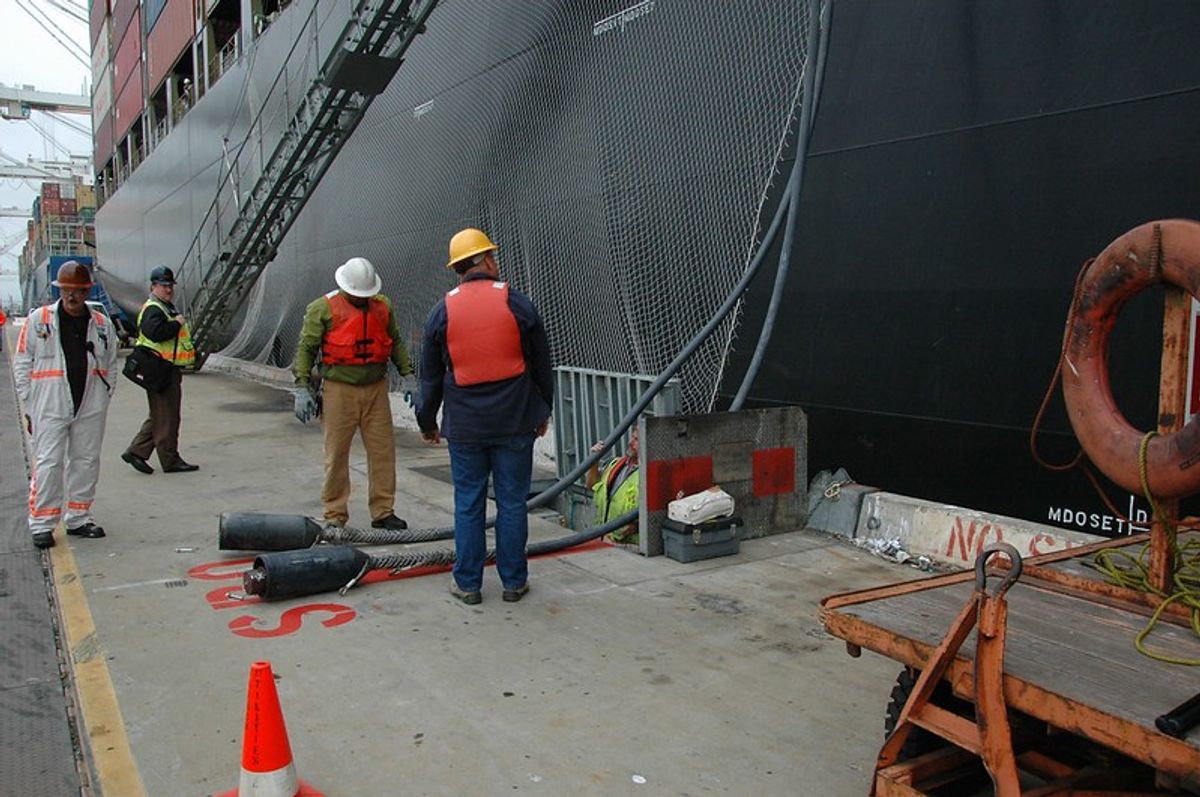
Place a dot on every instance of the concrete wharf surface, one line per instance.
(615, 675)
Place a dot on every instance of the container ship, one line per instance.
(961, 160)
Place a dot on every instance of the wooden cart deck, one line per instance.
(1070, 658)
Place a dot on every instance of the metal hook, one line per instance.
(1010, 578)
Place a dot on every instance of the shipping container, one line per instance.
(128, 108)
(103, 142)
(127, 61)
(66, 207)
(97, 17)
(85, 197)
(51, 207)
(124, 12)
(152, 9)
(102, 95)
(66, 191)
(169, 38)
(51, 191)
(101, 49)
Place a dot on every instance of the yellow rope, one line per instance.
(1125, 570)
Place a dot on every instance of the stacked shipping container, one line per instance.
(63, 224)
(136, 45)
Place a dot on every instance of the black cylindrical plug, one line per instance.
(255, 531)
(290, 574)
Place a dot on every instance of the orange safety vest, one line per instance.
(482, 334)
(3, 318)
(358, 336)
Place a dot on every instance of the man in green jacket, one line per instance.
(351, 334)
(615, 490)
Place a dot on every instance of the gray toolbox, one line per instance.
(687, 542)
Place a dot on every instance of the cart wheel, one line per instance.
(920, 741)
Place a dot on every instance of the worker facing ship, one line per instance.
(485, 362)
(351, 333)
(615, 489)
(62, 370)
(163, 330)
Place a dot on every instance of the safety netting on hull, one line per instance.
(620, 153)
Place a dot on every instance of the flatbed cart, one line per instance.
(1050, 695)
(1078, 701)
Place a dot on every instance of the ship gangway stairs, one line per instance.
(358, 68)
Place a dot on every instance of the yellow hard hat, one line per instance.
(468, 243)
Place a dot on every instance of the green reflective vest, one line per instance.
(177, 351)
(611, 504)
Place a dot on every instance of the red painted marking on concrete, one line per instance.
(291, 620)
(774, 471)
(205, 572)
(666, 478)
(970, 541)
(219, 599)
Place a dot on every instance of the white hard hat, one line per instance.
(357, 277)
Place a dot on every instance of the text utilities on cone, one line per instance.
(267, 766)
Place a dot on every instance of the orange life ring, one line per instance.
(1161, 251)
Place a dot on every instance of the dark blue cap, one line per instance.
(161, 275)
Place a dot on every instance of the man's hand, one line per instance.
(305, 405)
(543, 427)
(432, 438)
(28, 424)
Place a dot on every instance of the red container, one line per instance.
(67, 206)
(96, 19)
(128, 109)
(51, 207)
(103, 139)
(124, 12)
(51, 191)
(171, 35)
(128, 59)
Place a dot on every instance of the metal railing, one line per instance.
(588, 405)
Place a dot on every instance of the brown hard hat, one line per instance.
(73, 275)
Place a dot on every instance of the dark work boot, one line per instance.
(391, 523)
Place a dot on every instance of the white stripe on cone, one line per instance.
(280, 783)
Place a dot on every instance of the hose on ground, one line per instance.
(399, 562)
(349, 535)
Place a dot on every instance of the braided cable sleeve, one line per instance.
(396, 562)
(349, 535)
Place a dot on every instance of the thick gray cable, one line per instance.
(817, 40)
(349, 535)
(396, 562)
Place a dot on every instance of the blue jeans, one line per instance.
(510, 462)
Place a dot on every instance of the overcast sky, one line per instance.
(31, 56)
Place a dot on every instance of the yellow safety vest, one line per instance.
(624, 499)
(179, 350)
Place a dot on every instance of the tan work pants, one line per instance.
(348, 408)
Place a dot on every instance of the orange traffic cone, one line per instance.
(267, 768)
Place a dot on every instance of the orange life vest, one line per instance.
(482, 334)
(358, 336)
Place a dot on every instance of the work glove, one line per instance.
(305, 405)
